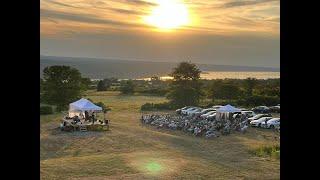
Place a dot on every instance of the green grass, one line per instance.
(132, 151)
(268, 151)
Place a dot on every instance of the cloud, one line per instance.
(125, 11)
(232, 4)
(273, 19)
(59, 3)
(140, 2)
(83, 18)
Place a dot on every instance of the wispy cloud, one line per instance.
(210, 16)
(60, 3)
(233, 4)
(125, 11)
(141, 3)
(83, 18)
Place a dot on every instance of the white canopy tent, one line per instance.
(224, 111)
(82, 105)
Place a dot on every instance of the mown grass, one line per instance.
(128, 148)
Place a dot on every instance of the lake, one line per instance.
(232, 75)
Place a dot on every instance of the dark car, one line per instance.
(275, 109)
(261, 109)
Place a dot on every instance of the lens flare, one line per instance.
(153, 167)
(169, 14)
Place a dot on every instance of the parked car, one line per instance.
(260, 121)
(184, 108)
(248, 114)
(192, 112)
(184, 112)
(204, 111)
(204, 116)
(261, 109)
(258, 116)
(212, 116)
(216, 107)
(275, 109)
(272, 123)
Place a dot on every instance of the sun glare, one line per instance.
(169, 14)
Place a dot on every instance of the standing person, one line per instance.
(93, 117)
(81, 115)
(265, 121)
(86, 115)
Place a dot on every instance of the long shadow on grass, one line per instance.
(228, 152)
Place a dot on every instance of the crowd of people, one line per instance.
(199, 127)
(88, 117)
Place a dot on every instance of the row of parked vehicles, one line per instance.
(262, 120)
(265, 109)
(265, 121)
(208, 113)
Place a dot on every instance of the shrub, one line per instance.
(62, 108)
(271, 151)
(46, 110)
(157, 92)
(258, 100)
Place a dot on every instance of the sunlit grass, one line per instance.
(137, 152)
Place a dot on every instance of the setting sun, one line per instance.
(169, 14)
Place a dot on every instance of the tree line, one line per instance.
(61, 85)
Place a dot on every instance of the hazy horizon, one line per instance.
(156, 61)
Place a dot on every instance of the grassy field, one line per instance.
(132, 151)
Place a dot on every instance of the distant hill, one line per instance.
(104, 68)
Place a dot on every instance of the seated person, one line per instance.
(67, 117)
(76, 119)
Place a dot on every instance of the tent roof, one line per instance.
(83, 105)
(228, 108)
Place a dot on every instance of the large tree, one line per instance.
(127, 87)
(185, 89)
(101, 86)
(106, 83)
(62, 85)
(220, 90)
(249, 85)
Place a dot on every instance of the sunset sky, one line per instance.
(227, 32)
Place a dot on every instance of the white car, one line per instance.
(204, 116)
(249, 114)
(272, 123)
(258, 116)
(212, 116)
(217, 107)
(204, 111)
(184, 108)
(184, 112)
(259, 122)
(190, 113)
